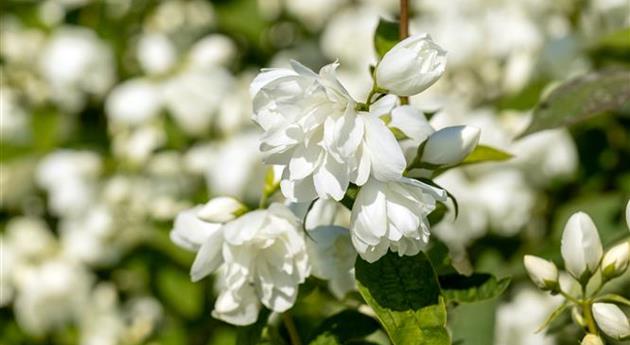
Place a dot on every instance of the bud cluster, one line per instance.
(589, 270)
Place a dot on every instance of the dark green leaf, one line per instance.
(348, 325)
(483, 153)
(386, 36)
(351, 195)
(250, 335)
(405, 295)
(474, 288)
(581, 98)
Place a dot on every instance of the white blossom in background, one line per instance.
(518, 320)
(70, 178)
(156, 53)
(392, 215)
(50, 294)
(88, 237)
(134, 102)
(76, 63)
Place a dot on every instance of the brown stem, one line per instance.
(294, 336)
(403, 31)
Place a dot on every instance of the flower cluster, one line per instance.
(325, 144)
(589, 269)
(261, 255)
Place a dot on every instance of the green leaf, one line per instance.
(350, 196)
(348, 325)
(614, 298)
(474, 288)
(405, 295)
(250, 335)
(483, 153)
(581, 98)
(386, 36)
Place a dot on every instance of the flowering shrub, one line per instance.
(314, 172)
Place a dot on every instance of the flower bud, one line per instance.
(611, 320)
(221, 209)
(411, 66)
(542, 272)
(450, 145)
(615, 261)
(581, 247)
(592, 339)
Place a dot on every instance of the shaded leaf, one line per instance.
(385, 37)
(581, 98)
(405, 295)
(348, 325)
(474, 288)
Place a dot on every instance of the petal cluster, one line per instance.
(261, 257)
(392, 215)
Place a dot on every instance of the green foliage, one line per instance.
(484, 153)
(474, 288)
(173, 284)
(385, 37)
(343, 327)
(251, 335)
(405, 294)
(581, 98)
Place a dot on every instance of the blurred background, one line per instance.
(118, 114)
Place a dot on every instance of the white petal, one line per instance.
(331, 179)
(388, 161)
(208, 257)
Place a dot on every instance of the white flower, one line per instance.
(312, 128)
(262, 254)
(221, 209)
(592, 339)
(392, 215)
(134, 102)
(611, 320)
(156, 53)
(212, 50)
(332, 257)
(581, 247)
(542, 272)
(190, 232)
(50, 295)
(450, 145)
(411, 66)
(69, 177)
(615, 261)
